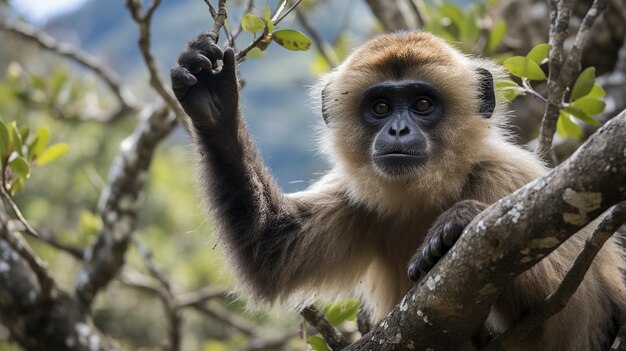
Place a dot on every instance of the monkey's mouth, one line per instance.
(399, 163)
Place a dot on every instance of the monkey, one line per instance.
(415, 135)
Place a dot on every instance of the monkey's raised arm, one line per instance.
(277, 243)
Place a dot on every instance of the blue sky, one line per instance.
(40, 10)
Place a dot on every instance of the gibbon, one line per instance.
(416, 138)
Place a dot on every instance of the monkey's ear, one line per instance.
(325, 106)
(486, 94)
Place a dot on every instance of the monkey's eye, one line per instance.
(422, 105)
(381, 108)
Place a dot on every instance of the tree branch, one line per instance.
(505, 240)
(562, 74)
(121, 199)
(56, 323)
(321, 45)
(574, 277)
(334, 338)
(144, 21)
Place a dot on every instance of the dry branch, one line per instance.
(438, 313)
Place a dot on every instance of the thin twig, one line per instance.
(211, 9)
(144, 21)
(242, 54)
(557, 300)
(334, 338)
(533, 92)
(16, 210)
(220, 17)
(128, 103)
(247, 9)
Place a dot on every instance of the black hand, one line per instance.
(210, 98)
(442, 235)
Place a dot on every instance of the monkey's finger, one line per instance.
(194, 61)
(436, 246)
(181, 78)
(229, 67)
(413, 271)
(450, 234)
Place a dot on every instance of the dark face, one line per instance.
(399, 116)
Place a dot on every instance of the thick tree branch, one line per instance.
(574, 277)
(121, 199)
(505, 240)
(128, 103)
(56, 323)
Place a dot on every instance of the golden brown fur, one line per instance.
(357, 227)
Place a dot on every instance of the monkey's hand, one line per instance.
(442, 235)
(208, 94)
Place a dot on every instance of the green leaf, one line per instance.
(255, 53)
(524, 67)
(566, 128)
(509, 89)
(584, 83)
(15, 137)
(43, 138)
(292, 39)
(20, 166)
(581, 115)
(339, 312)
(24, 132)
(589, 105)
(539, 53)
(4, 139)
(496, 36)
(252, 23)
(52, 153)
(317, 343)
(596, 92)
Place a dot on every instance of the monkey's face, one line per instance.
(397, 117)
(405, 107)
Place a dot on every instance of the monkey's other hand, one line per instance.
(208, 96)
(442, 235)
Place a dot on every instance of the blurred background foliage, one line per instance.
(40, 89)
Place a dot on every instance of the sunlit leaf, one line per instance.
(268, 17)
(590, 106)
(539, 53)
(15, 137)
(496, 36)
(252, 23)
(584, 83)
(566, 128)
(524, 67)
(581, 115)
(292, 39)
(339, 312)
(20, 166)
(317, 343)
(52, 153)
(255, 53)
(43, 138)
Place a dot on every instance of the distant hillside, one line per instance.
(275, 94)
